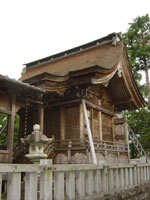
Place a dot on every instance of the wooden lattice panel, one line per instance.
(107, 127)
(52, 123)
(95, 124)
(72, 123)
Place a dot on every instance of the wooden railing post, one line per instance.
(147, 169)
(14, 186)
(142, 174)
(69, 151)
(31, 186)
(122, 177)
(58, 185)
(0, 186)
(111, 179)
(80, 183)
(89, 183)
(145, 177)
(135, 175)
(105, 179)
(117, 185)
(97, 182)
(70, 185)
(46, 178)
(126, 177)
(138, 175)
(130, 176)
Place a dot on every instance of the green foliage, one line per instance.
(139, 121)
(3, 121)
(16, 129)
(137, 39)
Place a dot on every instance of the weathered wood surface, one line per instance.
(45, 181)
(14, 186)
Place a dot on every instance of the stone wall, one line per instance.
(141, 192)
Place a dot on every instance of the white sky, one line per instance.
(33, 29)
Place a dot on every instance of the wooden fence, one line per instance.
(45, 181)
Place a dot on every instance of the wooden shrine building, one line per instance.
(86, 89)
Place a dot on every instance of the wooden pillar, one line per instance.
(41, 117)
(113, 129)
(31, 186)
(81, 122)
(127, 138)
(92, 121)
(59, 185)
(0, 186)
(100, 122)
(11, 120)
(62, 123)
(80, 183)
(14, 186)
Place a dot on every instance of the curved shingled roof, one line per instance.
(98, 53)
(99, 61)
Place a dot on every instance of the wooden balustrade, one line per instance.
(79, 144)
(82, 144)
(46, 181)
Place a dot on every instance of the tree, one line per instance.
(3, 122)
(137, 39)
(139, 121)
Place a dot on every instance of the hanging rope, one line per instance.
(25, 123)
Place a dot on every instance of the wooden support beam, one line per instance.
(92, 121)
(5, 111)
(127, 138)
(65, 102)
(11, 119)
(89, 133)
(113, 129)
(41, 117)
(100, 108)
(62, 123)
(100, 122)
(81, 122)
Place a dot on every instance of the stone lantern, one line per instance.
(37, 142)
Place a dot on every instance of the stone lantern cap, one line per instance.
(36, 136)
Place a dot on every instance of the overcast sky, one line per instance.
(33, 29)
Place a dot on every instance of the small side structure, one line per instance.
(14, 95)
